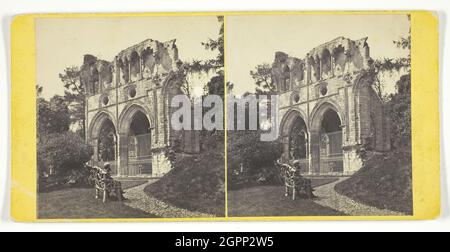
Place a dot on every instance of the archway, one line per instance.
(102, 137)
(136, 142)
(107, 145)
(295, 140)
(135, 67)
(326, 64)
(95, 81)
(330, 148)
(326, 139)
(124, 75)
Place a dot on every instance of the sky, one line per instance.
(62, 42)
(253, 40)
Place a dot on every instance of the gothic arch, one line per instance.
(326, 63)
(291, 116)
(319, 111)
(97, 122)
(148, 62)
(295, 137)
(135, 66)
(128, 113)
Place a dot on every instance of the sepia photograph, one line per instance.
(335, 92)
(106, 144)
(226, 125)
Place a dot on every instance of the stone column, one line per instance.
(129, 71)
(308, 151)
(320, 69)
(94, 143)
(315, 152)
(286, 148)
(141, 68)
(332, 64)
(123, 153)
(117, 155)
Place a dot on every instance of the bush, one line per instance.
(251, 161)
(63, 155)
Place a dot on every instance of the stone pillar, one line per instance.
(308, 151)
(100, 84)
(161, 165)
(320, 69)
(117, 155)
(286, 148)
(141, 68)
(123, 153)
(352, 162)
(95, 147)
(332, 64)
(115, 69)
(129, 71)
(315, 152)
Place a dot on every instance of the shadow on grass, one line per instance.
(270, 201)
(80, 203)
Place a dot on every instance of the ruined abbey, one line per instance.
(128, 111)
(328, 107)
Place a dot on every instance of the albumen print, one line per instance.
(342, 115)
(106, 146)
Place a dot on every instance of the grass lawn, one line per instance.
(270, 201)
(80, 203)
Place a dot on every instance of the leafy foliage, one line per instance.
(215, 65)
(389, 65)
(262, 75)
(52, 116)
(60, 153)
(215, 86)
(75, 94)
(255, 157)
(400, 114)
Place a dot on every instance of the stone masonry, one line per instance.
(140, 80)
(329, 86)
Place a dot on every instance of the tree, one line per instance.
(262, 75)
(60, 153)
(392, 65)
(400, 114)
(75, 95)
(52, 116)
(256, 157)
(216, 84)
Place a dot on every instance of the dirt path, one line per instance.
(328, 197)
(138, 199)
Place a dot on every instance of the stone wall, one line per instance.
(140, 79)
(333, 77)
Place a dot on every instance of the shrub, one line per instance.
(62, 154)
(251, 161)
